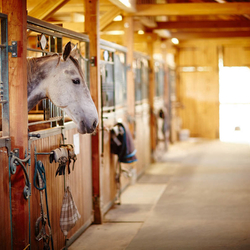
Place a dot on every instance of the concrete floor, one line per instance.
(196, 198)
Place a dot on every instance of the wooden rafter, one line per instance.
(239, 8)
(108, 17)
(221, 34)
(120, 5)
(203, 24)
(46, 8)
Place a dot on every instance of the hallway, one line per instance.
(197, 197)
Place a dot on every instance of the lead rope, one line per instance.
(40, 174)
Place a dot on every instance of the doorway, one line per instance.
(234, 97)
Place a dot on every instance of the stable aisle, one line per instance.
(198, 197)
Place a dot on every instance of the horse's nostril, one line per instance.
(94, 124)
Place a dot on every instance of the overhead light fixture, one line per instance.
(126, 3)
(118, 18)
(140, 32)
(175, 40)
(113, 32)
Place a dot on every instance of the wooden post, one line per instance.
(92, 28)
(166, 83)
(128, 41)
(17, 23)
(151, 95)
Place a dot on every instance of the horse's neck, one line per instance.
(38, 70)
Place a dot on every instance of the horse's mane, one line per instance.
(33, 65)
(76, 63)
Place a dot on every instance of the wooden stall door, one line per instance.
(199, 89)
(5, 234)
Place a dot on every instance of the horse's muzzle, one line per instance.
(87, 127)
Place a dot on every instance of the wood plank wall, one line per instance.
(198, 90)
(197, 72)
(142, 138)
(79, 181)
(5, 233)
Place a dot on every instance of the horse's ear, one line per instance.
(74, 51)
(67, 50)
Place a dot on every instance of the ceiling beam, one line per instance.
(129, 7)
(200, 35)
(108, 17)
(148, 21)
(184, 9)
(203, 24)
(46, 8)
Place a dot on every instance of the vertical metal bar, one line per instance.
(113, 67)
(5, 77)
(87, 63)
(59, 45)
(5, 106)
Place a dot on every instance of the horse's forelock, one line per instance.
(76, 63)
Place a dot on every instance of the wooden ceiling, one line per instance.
(183, 19)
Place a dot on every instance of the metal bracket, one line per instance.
(92, 61)
(13, 48)
(16, 161)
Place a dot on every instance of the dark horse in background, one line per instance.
(60, 78)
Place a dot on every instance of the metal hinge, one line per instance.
(13, 48)
(92, 61)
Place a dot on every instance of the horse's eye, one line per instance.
(76, 81)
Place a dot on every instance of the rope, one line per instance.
(39, 168)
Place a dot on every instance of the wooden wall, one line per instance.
(108, 165)
(109, 161)
(79, 181)
(198, 81)
(198, 88)
(5, 234)
(142, 138)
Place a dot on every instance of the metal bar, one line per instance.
(65, 32)
(112, 45)
(107, 62)
(47, 121)
(5, 77)
(3, 141)
(43, 31)
(41, 51)
(140, 54)
(43, 153)
(107, 48)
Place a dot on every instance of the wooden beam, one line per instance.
(137, 38)
(120, 5)
(203, 24)
(47, 8)
(148, 21)
(108, 17)
(197, 35)
(78, 27)
(128, 41)
(152, 121)
(17, 23)
(92, 28)
(120, 26)
(184, 9)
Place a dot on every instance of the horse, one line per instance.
(60, 78)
